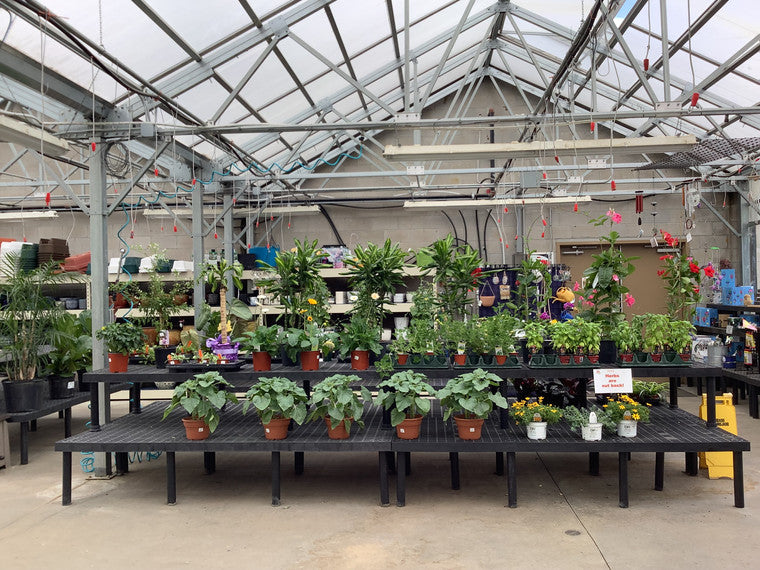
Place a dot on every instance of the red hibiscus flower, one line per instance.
(709, 271)
(693, 267)
(660, 272)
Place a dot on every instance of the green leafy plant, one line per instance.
(360, 334)
(655, 331)
(457, 272)
(563, 336)
(626, 338)
(157, 302)
(297, 340)
(121, 338)
(375, 272)
(404, 395)
(261, 339)
(72, 347)
(525, 411)
(680, 336)
(535, 332)
(470, 395)
(384, 366)
(334, 398)
(645, 389)
(498, 333)
(532, 296)
(605, 293)
(202, 396)
(216, 275)
(683, 279)
(589, 335)
(29, 319)
(277, 397)
(296, 280)
(400, 343)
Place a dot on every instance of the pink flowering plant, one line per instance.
(605, 292)
(683, 280)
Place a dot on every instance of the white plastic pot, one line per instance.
(627, 428)
(536, 430)
(592, 432)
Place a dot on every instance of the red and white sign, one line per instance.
(613, 380)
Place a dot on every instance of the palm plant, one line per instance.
(216, 276)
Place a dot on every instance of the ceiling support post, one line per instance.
(199, 289)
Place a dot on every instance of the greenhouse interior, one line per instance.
(205, 309)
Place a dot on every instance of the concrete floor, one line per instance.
(330, 516)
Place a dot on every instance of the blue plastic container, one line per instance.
(264, 254)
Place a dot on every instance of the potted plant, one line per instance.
(360, 337)
(498, 333)
(624, 412)
(679, 338)
(400, 346)
(655, 334)
(564, 339)
(649, 393)
(626, 340)
(454, 336)
(534, 334)
(585, 421)
(72, 352)
(263, 343)
(28, 322)
(121, 340)
(470, 399)
(535, 416)
(202, 397)
(277, 400)
(303, 344)
(216, 275)
(338, 405)
(589, 339)
(404, 395)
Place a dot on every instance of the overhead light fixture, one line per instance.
(236, 213)
(18, 132)
(28, 215)
(492, 202)
(635, 145)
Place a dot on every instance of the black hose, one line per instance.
(477, 231)
(485, 241)
(464, 223)
(456, 235)
(332, 225)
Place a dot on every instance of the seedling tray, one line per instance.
(645, 359)
(552, 361)
(422, 361)
(485, 362)
(200, 367)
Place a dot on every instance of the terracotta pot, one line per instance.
(460, 359)
(120, 302)
(117, 362)
(656, 356)
(565, 358)
(409, 428)
(626, 357)
(578, 358)
(195, 429)
(180, 299)
(310, 360)
(402, 358)
(468, 428)
(359, 359)
(174, 336)
(500, 359)
(277, 428)
(339, 431)
(262, 361)
(593, 358)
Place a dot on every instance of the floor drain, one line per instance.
(573, 532)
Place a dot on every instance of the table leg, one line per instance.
(60, 414)
(692, 463)
(738, 480)
(402, 457)
(503, 413)
(582, 397)
(298, 462)
(711, 420)
(499, 463)
(511, 479)
(673, 392)
(135, 405)
(33, 425)
(753, 407)
(24, 441)
(209, 462)
(659, 470)
(454, 460)
(94, 407)
(623, 480)
(275, 478)
(122, 462)
(382, 465)
(66, 479)
(171, 478)
(593, 463)
(67, 422)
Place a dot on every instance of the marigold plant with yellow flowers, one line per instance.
(626, 408)
(525, 411)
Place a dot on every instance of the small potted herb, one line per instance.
(263, 343)
(649, 393)
(587, 422)
(404, 395)
(202, 397)
(359, 338)
(121, 340)
(469, 398)
(277, 400)
(338, 405)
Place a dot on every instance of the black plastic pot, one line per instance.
(61, 386)
(23, 395)
(607, 352)
(161, 353)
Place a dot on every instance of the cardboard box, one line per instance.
(728, 278)
(743, 291)
(727, 292)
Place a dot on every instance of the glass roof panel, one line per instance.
(567, 14)
(269, 82)
(349, 20)
(283, 109)
(367, 62)
(303, 63)
(203, 99)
